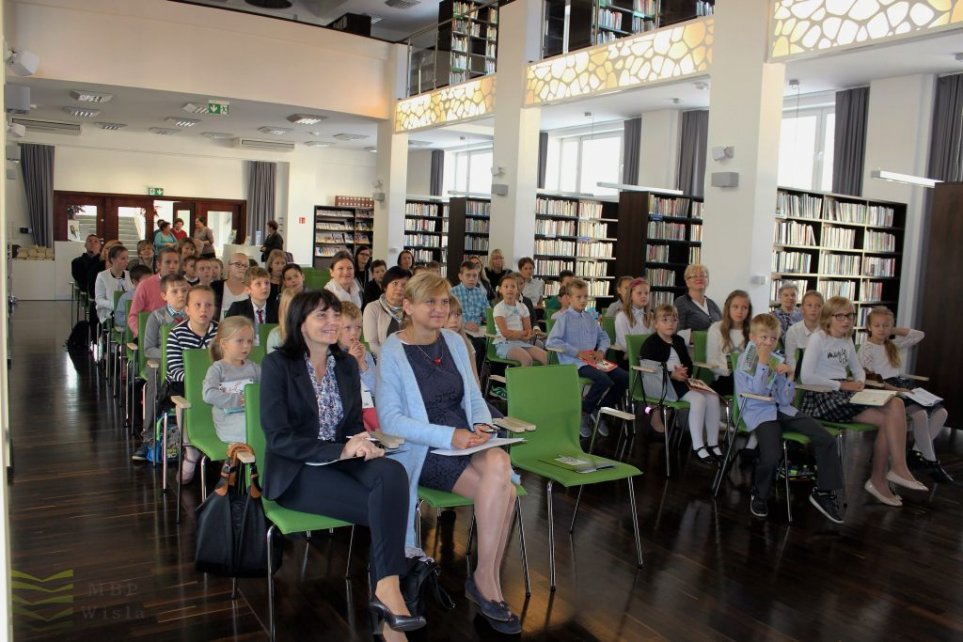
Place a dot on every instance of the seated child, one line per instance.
(204, 267)
(293, 278)
(729, 335)
(258, 307)
(276, 336)
(230, 371)
(797, 336)
(787, 312)
(760, 372)
(174, 289)
(114, 279)
(635, 317)
(456, 322)
(349, 340)
(623, 287)
(879, 356)
(145, 256)
(563, 300)
(189, 265)
(669, 349)
(474, 303)
(553, 303)
(579, 339)
(513, 327)
(137, 273)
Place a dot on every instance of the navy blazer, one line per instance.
(289, 417)
(246, 309)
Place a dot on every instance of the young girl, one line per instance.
(514, 327)
(787, 312)
(115, 278)
(669, 349)
(456, 322)
(275, 266)
(276, 335)
(880, 356)
(797, 336)
(635, 317)
(729, 335)
(292, 278)
(227, 376)
(829, 358)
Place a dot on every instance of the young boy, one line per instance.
(797, 337)
(204, 267)
(259, 307)
(577, 337)
(553, 303)
(787, 312)
(189, 265)
(623, 287)
(137, 273)
(563, 301)
(474, 303)
(759, 372)
(174, 289)
(197, 332)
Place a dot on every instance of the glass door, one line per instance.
(78, 215)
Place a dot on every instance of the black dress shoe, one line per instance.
(935, 470)
(704, 455)
(382, 614)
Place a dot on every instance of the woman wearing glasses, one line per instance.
(696, 310)
(828, 362)
(232, 288)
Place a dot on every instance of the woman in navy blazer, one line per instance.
(311, 414)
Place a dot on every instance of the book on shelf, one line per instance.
(581, 464)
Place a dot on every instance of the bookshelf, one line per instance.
(839, 245)
(659, 236)
(468, 219)
(467, 41)
(674, 11)
(426, 230)
(578, 235)
(340, 228)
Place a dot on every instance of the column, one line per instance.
(391, 168)
(745, 113)
(659, 161)
(515, 153)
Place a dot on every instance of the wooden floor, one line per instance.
(88, 521)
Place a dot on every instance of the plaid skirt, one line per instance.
(830, 406)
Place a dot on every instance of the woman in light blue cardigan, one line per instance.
(427, 394)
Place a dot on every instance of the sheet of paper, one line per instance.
(494, 442)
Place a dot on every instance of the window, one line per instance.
(806, 149)
(469, 171)
(578, 161)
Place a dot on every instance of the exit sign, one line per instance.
(218, 108)
(155, 191)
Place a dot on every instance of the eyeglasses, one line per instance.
(238, 264)
(700, 275)
(842, 316)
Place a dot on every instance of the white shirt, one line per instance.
(534, 290)
(873, 357)
(104, 288)
(828, 360)
(716, 357)
(622, 328)
(513, 315)
(797, 337)
(354, 295)
(228, 298)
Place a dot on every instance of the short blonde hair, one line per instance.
(764, 321)
(834, 305)
(350, 311)
(227, 329)
(577, 284)
(814, 293)
(692, 268)
(424, 284)
(287, 295)
(666, 310)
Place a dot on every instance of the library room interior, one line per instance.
(696, 263)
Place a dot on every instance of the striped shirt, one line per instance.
(183, 338)
(576, 331)
(473, 303)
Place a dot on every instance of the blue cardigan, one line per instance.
(401, 410)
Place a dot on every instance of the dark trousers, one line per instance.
(480, 344)
(829, 469)
(610, 384)
(372, 494)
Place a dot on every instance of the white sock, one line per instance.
(921, 433)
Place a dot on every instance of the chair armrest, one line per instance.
(498, 378)
(491, 335)
(180, 402)
(616, 347)
(513, 424)
(618, 414)
(915, 377)
(639, 368)
(245, 457)
(702, 364)
(153, 363)
(132, 345)
(752, 395)
(811, 388)
(558, 350)
(874, 384)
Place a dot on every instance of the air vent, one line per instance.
(402, 4)
(418, 143)
(349, 136)
(49, 126)
(270, 145)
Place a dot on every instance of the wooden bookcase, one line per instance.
(340, 228)
(426, 230)
(658, 237)
(674, 11)
(467, 41)
(839, 245)
(578, 235)
(593, 22)
(468, 224)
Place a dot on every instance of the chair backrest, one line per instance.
(549, 323)
(550, 398)
(490, 320)
(633, 344)
(252, 416)
(699, 340)
(316, 279)
(199, 418)
(263, 331)
(258, 353)
(165, 332)
(608, 324)
(141, 331)
(117, 295)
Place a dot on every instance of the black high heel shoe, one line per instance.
(381, 614)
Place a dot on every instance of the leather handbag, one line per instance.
(231, 526)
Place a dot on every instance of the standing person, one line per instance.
(342, 283)
(696, 310)
(383, 316)
(115, 278)
(311, 413)
(428, 395)
(178, 229)
(373, 289)
(406, 260)
(496, 269)
(164, 237)
(362, 266)
(204, 237)
(272, 242)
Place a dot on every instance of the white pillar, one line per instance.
(515, 150)
(391, 168)
(746, 112)
(898, 123)
(6, 620)
(659, 158)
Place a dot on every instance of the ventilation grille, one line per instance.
(271, 145)
(49, 126)
(349, 136)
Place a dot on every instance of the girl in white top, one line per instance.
(729, 335)
(115, 278)
(880, 355)
(513, 327)
(635, 317)
(797, 336)
(829, 358)
(342, 283)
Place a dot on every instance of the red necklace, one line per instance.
(436, 361)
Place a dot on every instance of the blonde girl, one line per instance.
(880, 356)
(635, 317)
(456, 322)
(513, 327)
(829, 360)
(227, 376)
(731, 334)
(276, 336)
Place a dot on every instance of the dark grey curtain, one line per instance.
(631, 143)
(542, 158)
(692, 153)
(946, 143)
(37, 165)
(261, 187)
(437, 177)
(849, 146)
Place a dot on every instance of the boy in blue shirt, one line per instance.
(474, 303)
(769, 413)
(578, 337)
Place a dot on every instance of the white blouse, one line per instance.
(622, 328)
(718, 359)
(873, 357)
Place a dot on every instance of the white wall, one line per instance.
(419, 172)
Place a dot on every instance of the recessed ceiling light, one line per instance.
(85, 96)
(82, 112)
(274, 131)
(194, 108)
(349, 136)
(181, 122)
(306, 119)
(164, 131)
(217, 135)
(371, 149)
(418, 143)
(318, 143)
(111, 126)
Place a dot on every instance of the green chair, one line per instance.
(136, 369)
(699, 342)
(548, 397)
(608, 324)
(283, 520)
(315, 279)
(263, 331)
(440, 499)
(258, 353)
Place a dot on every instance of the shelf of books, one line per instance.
(658, 237)
(578, 235)
(467, 40)
(340, 227)
(468, 219)
(839, 245)
(426, 230)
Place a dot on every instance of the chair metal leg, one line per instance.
(418, 523)
(163, 456)
(180, 456)
(571, 528)
(204, 485)
(347, 569)
(471, 539)
(270, 580)
(522, 546)
(785, 467)
(234, 592)
(635, 521)
(668, 435)
(551, 537)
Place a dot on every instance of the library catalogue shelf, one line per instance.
(840, 246)
(340, 228)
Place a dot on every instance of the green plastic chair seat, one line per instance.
(444, 499)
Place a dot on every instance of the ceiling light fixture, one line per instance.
(909, 179)
(318, 143)
(625, 187)
(82, 112)
(164, 131)
(194, 108)
(217, 135)
(111, 127)
(274, 131)
(182, 122)
(349, 136)
(86, 96)
(306, 119)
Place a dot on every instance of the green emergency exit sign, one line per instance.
(218, 108)
(155, 191)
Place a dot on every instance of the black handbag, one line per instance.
(421, 580)
(231, 527)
